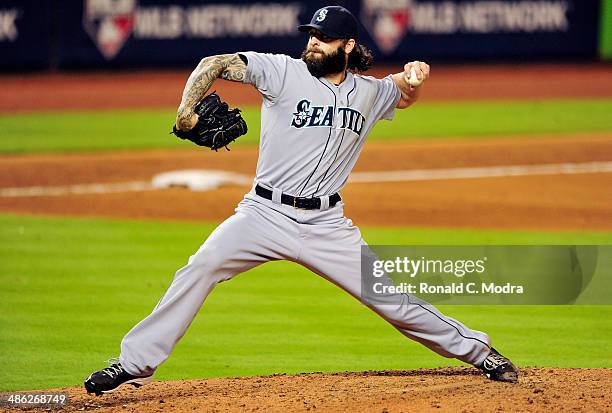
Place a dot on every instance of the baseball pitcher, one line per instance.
(316, 113)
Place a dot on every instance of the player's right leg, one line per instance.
(250, 237)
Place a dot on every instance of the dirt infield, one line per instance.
(458, 389)
(577, 201)
(27, 93)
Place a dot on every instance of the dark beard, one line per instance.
(333, 63)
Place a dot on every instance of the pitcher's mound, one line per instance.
(457, 389)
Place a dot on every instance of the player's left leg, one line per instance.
(334, 252)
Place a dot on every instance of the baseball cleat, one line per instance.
(499, 368)
(111, 378)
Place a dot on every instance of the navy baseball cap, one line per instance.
(333, 21)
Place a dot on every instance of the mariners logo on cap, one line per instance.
(322, 15)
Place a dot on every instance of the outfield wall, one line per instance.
(39, 34)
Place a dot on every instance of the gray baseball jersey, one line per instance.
(312, 131)
(311, 134)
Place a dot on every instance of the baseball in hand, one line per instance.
(414, 80)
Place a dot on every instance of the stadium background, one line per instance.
(88, 92)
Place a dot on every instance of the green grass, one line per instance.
(71, 288)
(133, 129)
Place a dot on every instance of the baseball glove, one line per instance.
(217, 125)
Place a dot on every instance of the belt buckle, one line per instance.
(297, 199)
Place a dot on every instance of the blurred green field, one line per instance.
(138, 129)
(70, 288)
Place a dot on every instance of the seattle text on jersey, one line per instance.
(309, 116)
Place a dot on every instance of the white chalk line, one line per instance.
(481, 172)
(356, 177)
(75, 189)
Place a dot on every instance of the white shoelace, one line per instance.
(114, 368)
(493, 361)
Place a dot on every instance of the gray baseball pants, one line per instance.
(323, 241)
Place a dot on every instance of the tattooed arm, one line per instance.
(227, 66)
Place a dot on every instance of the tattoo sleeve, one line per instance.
(228, 67)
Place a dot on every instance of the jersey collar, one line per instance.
(348, 80)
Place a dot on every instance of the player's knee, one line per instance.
(206, 263)
(399, 314)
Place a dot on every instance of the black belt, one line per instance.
(298, 202)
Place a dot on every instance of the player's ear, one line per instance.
(349, 46)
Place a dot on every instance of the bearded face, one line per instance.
(320, 64)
